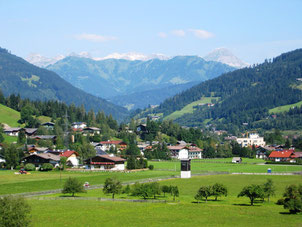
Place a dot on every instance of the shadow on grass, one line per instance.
(246, 205)
(209, 200)
(69, 196)
(286, 213)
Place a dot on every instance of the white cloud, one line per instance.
(180, 33)
(94, 37)
(202, 34)
(162, 35)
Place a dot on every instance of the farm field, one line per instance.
(227, 211)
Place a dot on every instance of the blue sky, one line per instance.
(253, 30)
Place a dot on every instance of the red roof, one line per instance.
(281, 154)
(69, 153)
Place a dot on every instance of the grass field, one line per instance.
(189, 108)
(11, 183)
(228, 211)
(10, 139)
(9, 116)
(40, 181)
(284, 108)
(225, 165)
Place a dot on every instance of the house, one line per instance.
(91, 131)
(105, 162)
(29, 131)
(78, 125)
(72, 157)
(297, 155)
(39, 159)
(44, 137)
(2, 160)
(48, 125)
(281, 156)
(12, 131)
(252, 139)
(236, 160)
(33, 149)
(194, 152)
(142, 128)
(120, 145)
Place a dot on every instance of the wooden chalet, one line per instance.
(105, 162)
(39, 159)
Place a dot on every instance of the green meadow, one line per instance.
(9, 116)
(227, 211)
(189, 108)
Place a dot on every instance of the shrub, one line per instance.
(14, 211)
(46, 167)
(30, 167)
(151, 167)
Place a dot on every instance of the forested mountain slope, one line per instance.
(246, 95)
(20, 77)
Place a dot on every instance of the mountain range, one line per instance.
(126, 81)
(17, 76)
(244, 98)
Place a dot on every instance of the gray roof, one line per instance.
(49, 156)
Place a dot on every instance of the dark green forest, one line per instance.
(246, 95)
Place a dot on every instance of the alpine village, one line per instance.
(133, 139)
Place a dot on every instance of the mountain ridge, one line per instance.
(17, 76)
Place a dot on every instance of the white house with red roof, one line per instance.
(72, 157)
(194, 152)
(281, 156)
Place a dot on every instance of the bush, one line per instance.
(14, 211)
(151, 167)
(280, 201)
(46, 167)
(30, 167)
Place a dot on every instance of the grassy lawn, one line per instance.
(228, 211)
(284, 108)
(44, 119)
(9, 116)
(39, 181)
(212, 165)
(189, 108)
(10, 139)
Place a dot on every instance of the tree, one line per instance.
(219, 190)
(14, 211)
(155, 188)
(26, 114)
(112, 186)
(63, 161)
(175, 192)
(126, 190)
(21, 137)
(72, 186)
(293, 199)
(253, 192)
(203, 192)
(165, 189)
(131, 162)
(11, 156)
(269, 189)
(143, 190)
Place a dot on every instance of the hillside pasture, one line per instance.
(189, 108)
(284, 108)
(9, 116)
